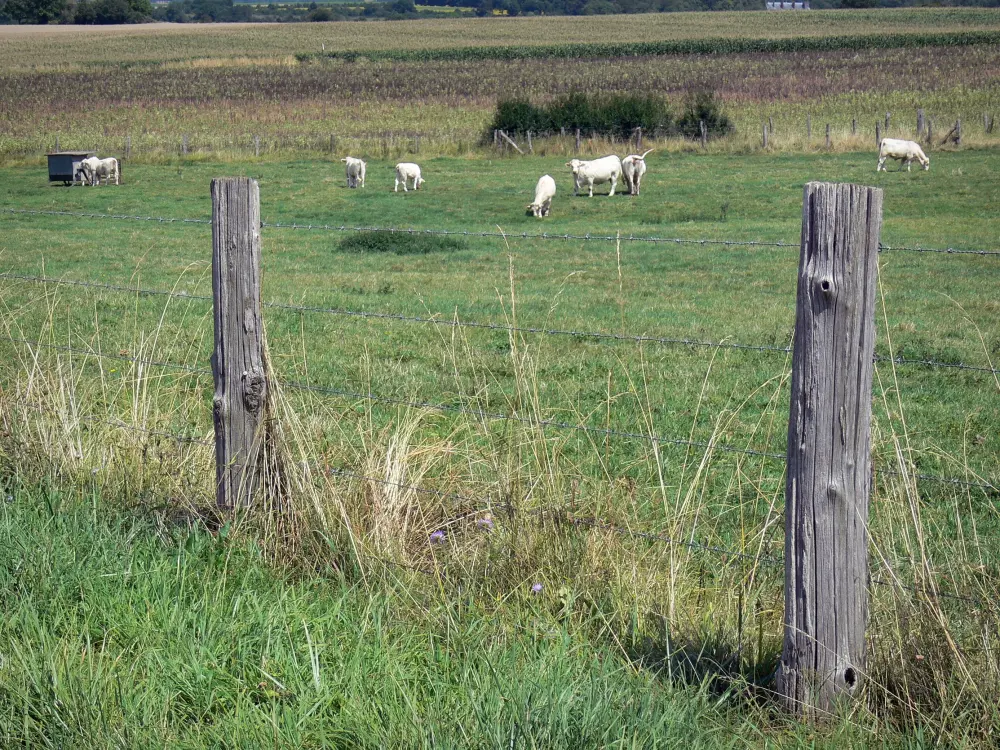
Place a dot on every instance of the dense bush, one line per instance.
(703, 107)
(400, 243)
(617, 114)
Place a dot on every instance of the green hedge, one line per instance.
(673, 47)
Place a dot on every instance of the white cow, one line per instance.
(633, 168)
(408, 171)
(905, 151)
(94, 169)
(545, 191)
(605, 169)
(355, 171)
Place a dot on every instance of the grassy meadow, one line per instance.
(389, 601)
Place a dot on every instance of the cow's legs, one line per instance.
(614, 182)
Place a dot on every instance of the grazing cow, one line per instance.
(605, 169)
(904, 151)
(545, 190)
(355, 172)
(93, 169)
(408, 171)
(633, 168)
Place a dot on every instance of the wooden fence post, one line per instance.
(809, 127)
(764, 136)
(238, 364)
(57, 143)
(531, 149)
(828, 483)
(878, 134)
(930, 131)
(958, 132)
(828, 136)
(854, 126)
(577, 141)
(888, 116)
(256, 145)
(638, 139)
(128, 148)
(986, 123)
(704, 134)
(770, 125)
(333, 144)
(920, 123)
(184, 144)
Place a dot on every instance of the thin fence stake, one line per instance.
(854, 126)
(828, 136)
(921, 124)
(828, 481)
(809, 127)
(764, 136)
(704, 134)
(128, 147)
(577, 141)
(256, 145)
(184, 144)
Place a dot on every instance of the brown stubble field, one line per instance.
(221, 104)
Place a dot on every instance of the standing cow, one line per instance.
(589, 173)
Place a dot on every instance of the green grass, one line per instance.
(129, 632)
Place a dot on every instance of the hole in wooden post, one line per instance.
(825, 285)
(850, 678)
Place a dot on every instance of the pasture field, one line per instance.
(626, 599)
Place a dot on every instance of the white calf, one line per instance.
(94, 169)
(408, 171)
(633, 168)
(905, 151)
(605, 169)
(355, 171)
(545, 190)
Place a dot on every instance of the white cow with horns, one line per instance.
(633, 168)
(545, 191)
(589, 173)
(355, 169)
(904, 151)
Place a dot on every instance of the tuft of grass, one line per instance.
(399, 243)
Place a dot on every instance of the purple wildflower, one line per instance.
(437, 537)
(485, 523)
(536, 588)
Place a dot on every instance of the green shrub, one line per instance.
(618, 114)
(703, 106)
(401, 243)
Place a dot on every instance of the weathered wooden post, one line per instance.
(888, 116)
(577, 141)
(57, 144)
(930, 131)
(531, 149)
(764, 136)
(828, 482)
(128, 147)
(828, 136)
(809, 127)
(704, 134)
(989, 128)
(638, 139)
(256, 145)
(238, 364)
(416, 143)
(958, 132)
(496, 139)
(184, 144)
(878, 134)
(920, 123)
(854, 126)
(562, 132)
(986, 123)
(770, 125)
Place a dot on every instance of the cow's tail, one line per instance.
(647, 153)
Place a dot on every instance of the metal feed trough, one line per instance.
(64, 164)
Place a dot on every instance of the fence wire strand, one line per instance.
(492, 234)
(501, 327)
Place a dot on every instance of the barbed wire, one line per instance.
(501, 327)
(494, 234)
(482, 414)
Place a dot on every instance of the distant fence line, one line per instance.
(384, 144)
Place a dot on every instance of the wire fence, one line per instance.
(498, 327)
(485, 415)
(532, 421)
(327, 227)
